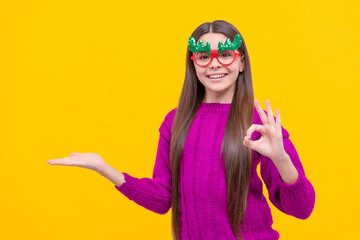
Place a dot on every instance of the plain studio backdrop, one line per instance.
(100, 76)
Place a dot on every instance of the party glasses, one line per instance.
(226, 57)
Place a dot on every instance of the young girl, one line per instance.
(209, 148)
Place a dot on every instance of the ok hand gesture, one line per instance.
(271, 142)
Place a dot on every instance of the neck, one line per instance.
(216, 99)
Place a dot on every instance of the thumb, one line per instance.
(247, 142)
(74, 154)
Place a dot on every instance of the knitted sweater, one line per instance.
(203, 197)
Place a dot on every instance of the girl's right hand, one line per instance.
(90, 161)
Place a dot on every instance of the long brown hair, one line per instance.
(234, 154)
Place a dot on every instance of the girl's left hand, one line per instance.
(271, 142)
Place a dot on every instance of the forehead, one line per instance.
(213, 39)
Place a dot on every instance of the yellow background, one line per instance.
(90, 76)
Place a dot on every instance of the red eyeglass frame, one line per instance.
(214, 53)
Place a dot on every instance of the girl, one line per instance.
(209, 149)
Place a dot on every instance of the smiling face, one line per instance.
(218, 80)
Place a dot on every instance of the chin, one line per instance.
(219, 89)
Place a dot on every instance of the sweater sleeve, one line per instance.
(154, 194)
(296, 199)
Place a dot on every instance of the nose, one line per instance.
(215, 63)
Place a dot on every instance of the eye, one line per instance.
(204, 57)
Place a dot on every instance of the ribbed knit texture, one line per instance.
(203, 200)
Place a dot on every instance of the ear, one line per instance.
(242, 66)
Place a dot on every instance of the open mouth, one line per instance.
(217, 76)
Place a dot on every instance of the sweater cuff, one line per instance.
(129, 188)
(295, 189)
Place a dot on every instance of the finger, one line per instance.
(252, 144)
(67, 161)
(278, 119)
(260, 112)
(247, 141)
(270, 115)
(252, 128)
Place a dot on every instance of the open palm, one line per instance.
(91, 161)
(271, 142)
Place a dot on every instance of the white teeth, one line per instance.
(217, 76)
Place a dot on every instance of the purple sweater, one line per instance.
(203, 198)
